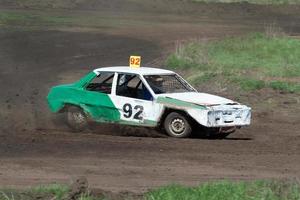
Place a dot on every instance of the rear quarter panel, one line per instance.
(96, 104)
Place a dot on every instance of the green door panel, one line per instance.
(98, 105)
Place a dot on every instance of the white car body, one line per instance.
(206, 109)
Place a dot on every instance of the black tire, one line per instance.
(177, 125)
(76, 119)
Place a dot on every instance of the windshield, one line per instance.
(172, 83)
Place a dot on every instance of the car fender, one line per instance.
(197, 112)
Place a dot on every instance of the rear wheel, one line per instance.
(76, 119)
(177, 125)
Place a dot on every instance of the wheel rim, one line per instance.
(177, 126)
(78, 117)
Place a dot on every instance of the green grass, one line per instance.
(285, 86)
(276, 2)
(34, 19)
(259, 190)
(250, 84)
(41, 20)
(254, 61)
(72, 3)
(51, 3)
(55, 189)
(225, 190)
(15, 18)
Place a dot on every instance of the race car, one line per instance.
(149, 97)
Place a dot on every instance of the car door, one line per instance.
(96, 98)
(134, 101)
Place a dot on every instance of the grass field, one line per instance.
(225, 190)
(41, 20)
(15, 18)
(275, 2)
(35, 19)
(259, 190)
(74, 3)
(50, 3)
(253, 62)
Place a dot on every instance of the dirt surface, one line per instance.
(37, 148)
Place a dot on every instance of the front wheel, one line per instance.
(76, 119)
(177, 125)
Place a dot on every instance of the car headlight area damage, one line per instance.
(222, 116)
(148, 97)
(228, 115)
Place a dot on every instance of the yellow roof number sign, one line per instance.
(135, 61)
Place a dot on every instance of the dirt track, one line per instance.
(37, 148)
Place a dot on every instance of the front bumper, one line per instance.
(228, 116)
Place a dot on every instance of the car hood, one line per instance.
(198, 98)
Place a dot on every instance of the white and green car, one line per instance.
(149, 97)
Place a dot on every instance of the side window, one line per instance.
(130, 85)
(102, 83)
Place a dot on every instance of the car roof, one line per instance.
(140, 70)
